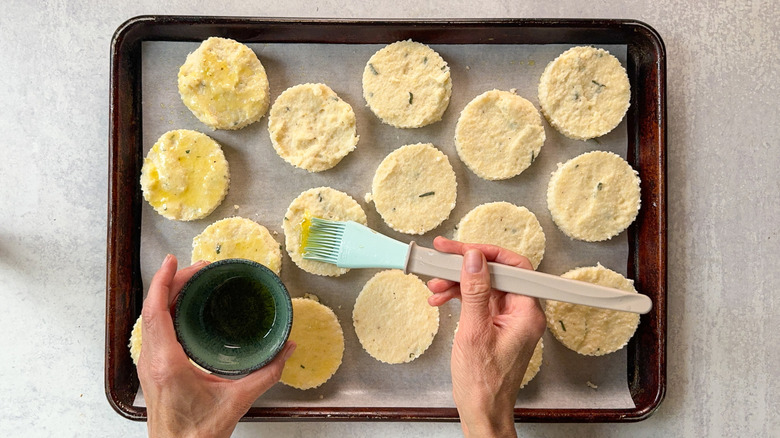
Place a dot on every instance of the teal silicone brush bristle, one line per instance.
(323, 241)
(352, 245)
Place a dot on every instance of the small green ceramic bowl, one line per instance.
(233, 316)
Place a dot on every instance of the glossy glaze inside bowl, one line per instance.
(233, 316)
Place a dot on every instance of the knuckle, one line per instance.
(151, 370)
(475, 285)
(147, 315)
(275, 372)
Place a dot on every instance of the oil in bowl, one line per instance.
(238, 311)
(233, 316)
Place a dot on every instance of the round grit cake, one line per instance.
(407, 85)
(414, 188)
(594, 196)
(311, 127)
(534, 365)
(589, 330)
(506, 225)
(237, 237)
(584, 93)
(392, 318)
(185, 175)
(320, 345)
(224, 84)
(499, 134)
(135, 340)
(321, 202)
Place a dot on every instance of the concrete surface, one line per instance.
(724, 192)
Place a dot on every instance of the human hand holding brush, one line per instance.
(501, 319)
(496, 336)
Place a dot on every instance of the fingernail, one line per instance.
(473, 261)
(167, 259)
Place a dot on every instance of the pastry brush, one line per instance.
(352, 245)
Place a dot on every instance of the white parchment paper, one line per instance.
(263, 185)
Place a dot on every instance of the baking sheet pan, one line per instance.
(294, 52)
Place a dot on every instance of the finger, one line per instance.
(258, 382)
(505, 256)
(440, 298)
(181, 278)
(443, 291)
(157, 329)
(492, 253)
(475, 289)
(446, 245)
(501, 255)
(438, 285)
(157, 297)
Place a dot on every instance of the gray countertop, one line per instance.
(723, 193)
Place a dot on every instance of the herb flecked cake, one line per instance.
(499, 134)
(136, 340)
(322, 202)
(534, 365)
(507, 225)
(592, 331)
(319, 345)
(185, 175)
(584, 93)
(392, 318)
(237, 237)
(414, 188)
(311, 127)
(594, 196)
(224, 84)
(407, 85)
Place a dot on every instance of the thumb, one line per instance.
(258, 382)
(474, 287)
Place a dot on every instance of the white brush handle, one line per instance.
(426, 261)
